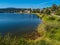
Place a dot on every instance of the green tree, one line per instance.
(43, 11)
(38, 10)
(48, 11)
(54, 7)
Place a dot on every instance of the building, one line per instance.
(27, 11)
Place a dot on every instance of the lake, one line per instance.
(18, 23)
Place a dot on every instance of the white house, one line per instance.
(26, 11)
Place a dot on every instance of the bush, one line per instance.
(51, 18)
(59, 19)
(57, 12)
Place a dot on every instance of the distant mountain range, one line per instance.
(12, 10)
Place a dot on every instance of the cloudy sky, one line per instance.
(28, 3)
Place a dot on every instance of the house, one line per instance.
(53, 12)
(21, 12)
(26, 11)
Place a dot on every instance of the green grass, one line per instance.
(51, 27)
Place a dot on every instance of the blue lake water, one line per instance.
(18, 23)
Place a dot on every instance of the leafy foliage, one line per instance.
(57, 12)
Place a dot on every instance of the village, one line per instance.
(53, 10)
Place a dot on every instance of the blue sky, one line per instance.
(28, 3)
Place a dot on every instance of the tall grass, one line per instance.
(51, 30)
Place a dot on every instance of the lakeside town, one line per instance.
(54, 9)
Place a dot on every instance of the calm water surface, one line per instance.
(18, 23)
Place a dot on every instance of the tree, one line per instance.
(38, 10)
(43, 11)
(54, 7)
(47, 11)
(58, 7)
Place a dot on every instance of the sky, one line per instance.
(28, 3)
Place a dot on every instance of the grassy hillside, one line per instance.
(51, 29)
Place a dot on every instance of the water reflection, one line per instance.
(18, 23)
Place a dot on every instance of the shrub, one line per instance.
(59, 19)
(57, 12)
(51, 18)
